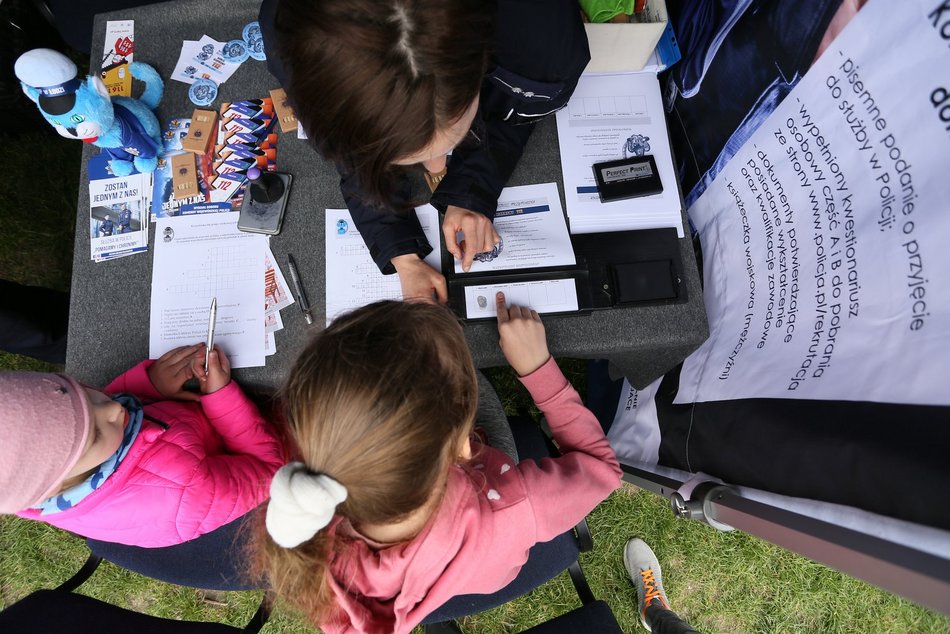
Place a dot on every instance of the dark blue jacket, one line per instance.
(540, 51)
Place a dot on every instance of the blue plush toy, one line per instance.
(126, 128)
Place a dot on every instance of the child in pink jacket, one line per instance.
(394, 507)
(151, 465)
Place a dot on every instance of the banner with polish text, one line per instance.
(825, 237)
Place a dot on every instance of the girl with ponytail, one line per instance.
(393, 506)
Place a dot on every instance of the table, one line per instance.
(109, 311)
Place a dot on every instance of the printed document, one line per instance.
(544, 296)
(613, 117)
(532, 229)
(198, 258)
(352, 277)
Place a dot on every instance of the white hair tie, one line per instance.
(301, 503)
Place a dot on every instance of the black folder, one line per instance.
(640, 267)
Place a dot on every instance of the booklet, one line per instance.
(118, 208)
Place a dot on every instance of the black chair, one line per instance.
(211, 562)
(545, 561)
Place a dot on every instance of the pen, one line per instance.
(211, 319)
(298, 289)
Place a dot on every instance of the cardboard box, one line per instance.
(184, 177)
(626, 47)
(202, 131)
(285, 114)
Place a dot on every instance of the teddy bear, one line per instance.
(124, 127)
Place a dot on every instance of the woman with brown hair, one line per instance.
(393, 507)
(380, 86)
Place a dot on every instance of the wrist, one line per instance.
(529, 369)
(405, 260)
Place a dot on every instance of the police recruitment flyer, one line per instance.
(825, 237)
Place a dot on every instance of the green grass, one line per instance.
(720, 582)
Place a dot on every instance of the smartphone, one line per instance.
(261, 213)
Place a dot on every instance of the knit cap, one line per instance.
(44, 421)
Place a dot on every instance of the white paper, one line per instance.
(198, 258)
(544, 296)
(532, 228)
(352, 278)
(824, 237)
(612, 117)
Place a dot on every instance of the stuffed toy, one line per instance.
(126, 128)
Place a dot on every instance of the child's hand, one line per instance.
(170, 371)
(521, 337)
(219, 370)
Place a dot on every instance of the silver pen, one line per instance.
(298, 289)
(211, 321)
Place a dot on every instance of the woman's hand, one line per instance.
(419, 280)
(170, 371)
(478, 234)
(521, 337)
(219, 370)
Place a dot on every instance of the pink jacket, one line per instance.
(212, 464)
(494, 510)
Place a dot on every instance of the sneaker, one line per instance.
(644, 571)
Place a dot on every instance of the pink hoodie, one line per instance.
(212, 464)
(494, 510)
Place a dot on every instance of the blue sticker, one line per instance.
(234, 52)
(255, 48)
(251, 32)
(203, 92)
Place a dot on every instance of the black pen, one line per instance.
(298, 289)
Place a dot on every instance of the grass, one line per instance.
(719, 582)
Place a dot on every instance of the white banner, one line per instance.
(824, 238)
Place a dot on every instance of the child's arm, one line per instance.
(136, 382)
(564, 489)
(160, 379)
(237, 420)
(236, 479)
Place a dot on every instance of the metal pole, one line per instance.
(913, 574)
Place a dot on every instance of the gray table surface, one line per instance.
(109, 311)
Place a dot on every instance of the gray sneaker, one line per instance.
(644, 571)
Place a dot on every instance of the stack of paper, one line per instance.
(202, 257)
(118, 211)
(612, 117)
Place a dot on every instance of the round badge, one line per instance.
(255, 48)
(252, 31)
(203, 92)
(234, 52)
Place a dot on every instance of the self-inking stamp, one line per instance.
(262, 210)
